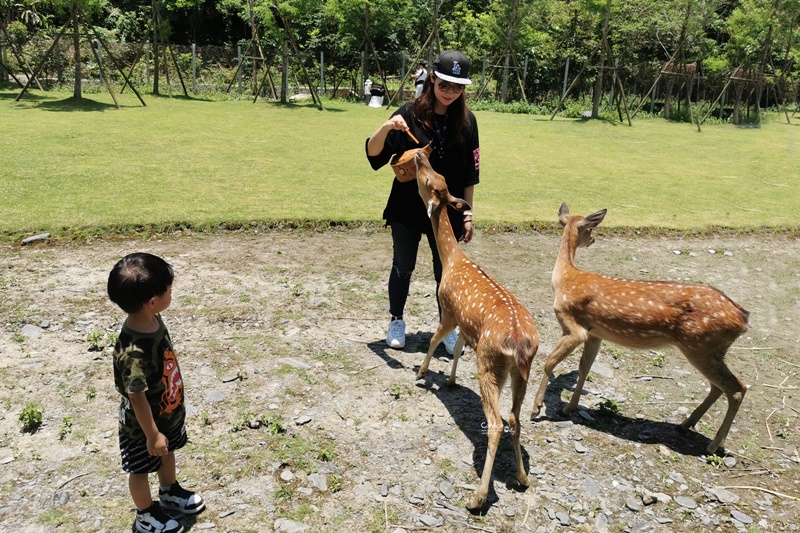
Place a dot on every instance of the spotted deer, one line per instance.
(700, 321)
(491, 321)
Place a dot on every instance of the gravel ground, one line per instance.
(301, 419)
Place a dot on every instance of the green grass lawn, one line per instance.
(86, 165)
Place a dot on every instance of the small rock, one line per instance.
(283, 525)
(601, 523)
(384, 490)
(592, 488)
(430, 521)
(563, 519)
(678, 478)
(447, 489)
(634, 504)
(319, 481)
(510, 511)
(663, 520)
(294, 363)
(287, 475)
(214, 396)
(729, 461)
(416, 499)
(30, 240)
(721, 495)
(31, 331)
(226, 513)
(683, 501)
(302, 420)
(580, 448)
(741, 517)
(205, 525)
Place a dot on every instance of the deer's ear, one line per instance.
(594, 220)
(563, 214)
(458, 204)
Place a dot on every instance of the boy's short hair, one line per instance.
(136, 278)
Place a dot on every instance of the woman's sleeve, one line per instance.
(390, 147)
(474, 155)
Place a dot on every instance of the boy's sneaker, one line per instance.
(179, 500)
(450, 342)
(397, 334)
(155, 520)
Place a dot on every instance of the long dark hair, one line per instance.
(458, 110)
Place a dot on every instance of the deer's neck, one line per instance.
(565, 263)
(445, 238)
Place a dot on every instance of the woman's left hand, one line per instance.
(468, 231)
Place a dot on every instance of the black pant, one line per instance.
(405, 243)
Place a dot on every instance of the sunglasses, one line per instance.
(446, 86)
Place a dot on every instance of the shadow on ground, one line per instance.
(464, 406)
(687, 443)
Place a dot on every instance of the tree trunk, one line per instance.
(598, 86)
(76, 57)
(154, 22)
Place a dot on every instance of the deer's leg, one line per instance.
(457, 350)
(720, 377)
(518, 388)
(446, 325)
(491, 376)
(572, 337)
(590, 349)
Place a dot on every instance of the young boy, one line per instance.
(147, 375)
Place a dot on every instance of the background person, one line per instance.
(439, 116)
(420, 76)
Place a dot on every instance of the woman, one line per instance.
(438, 116)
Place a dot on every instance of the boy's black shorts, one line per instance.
(136, 460)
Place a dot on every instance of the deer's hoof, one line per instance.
(421, 373)
(523, 481)
(477, 504)
(713, 447)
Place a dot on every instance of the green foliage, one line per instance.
(66, 427)
(31, 417)
(609, 407)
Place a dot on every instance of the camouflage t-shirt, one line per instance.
(145, 362)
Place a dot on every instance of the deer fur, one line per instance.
(699, 320)
(491, 321)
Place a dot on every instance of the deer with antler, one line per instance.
(699, 320)
(491, 321)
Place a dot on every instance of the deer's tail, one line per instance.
(522, 349)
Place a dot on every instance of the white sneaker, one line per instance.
(450, 342)
(397, 334)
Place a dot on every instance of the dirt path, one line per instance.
(301, 416)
